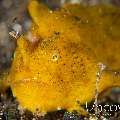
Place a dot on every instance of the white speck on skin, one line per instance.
(102, 66)
(87, 21)
(59, 108)
(45, 53)
(34, 78)
(50, 11)
(56, 18)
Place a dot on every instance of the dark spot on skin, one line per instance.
(74, 63)
(31, 47)
(76, 57)
(82, 64)
(81, 60)
(77, 18)
(73, 72)
(61, 80)
(64, 64)
(71, 66)
(72, 47)
(56, 33)
(54, 82)
(78, 102)
(88, 58)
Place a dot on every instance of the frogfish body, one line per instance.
(55, 62)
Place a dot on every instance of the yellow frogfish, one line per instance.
(56, 61)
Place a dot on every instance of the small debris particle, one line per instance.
(32, 38)
(17, 28)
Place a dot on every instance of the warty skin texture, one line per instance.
(57, 66)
